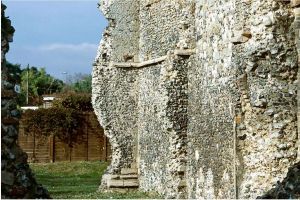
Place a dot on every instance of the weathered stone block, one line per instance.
(131, 183)
(131, 176)
(125, 171)
(295, 3)
(115, 183)
(112, 176)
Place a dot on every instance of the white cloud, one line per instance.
(69, 47)
(56, 57)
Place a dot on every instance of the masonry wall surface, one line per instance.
(267, 134)
(211, 107)
(153, 136)
(207, 105)
(162, 96)
(114, 98)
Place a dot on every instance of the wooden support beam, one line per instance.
(152, 61)
(138, 65)
(124, 64)
(51, 149)
(184, 52)
(179, 52)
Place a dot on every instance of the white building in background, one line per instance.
(29, 108)
(48, 101)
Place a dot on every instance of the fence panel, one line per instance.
(93, 145)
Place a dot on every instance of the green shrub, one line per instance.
(80, 102)
(65, 123)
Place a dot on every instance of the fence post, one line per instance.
(87, 135)
(33, 151)
(51, 148)
(70, 153)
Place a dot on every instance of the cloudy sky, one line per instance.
(61, 36)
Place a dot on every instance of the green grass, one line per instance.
(78, 180)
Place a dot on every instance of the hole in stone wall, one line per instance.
(242, 137)
(104, 56)
(128, 58)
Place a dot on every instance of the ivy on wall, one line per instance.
(65, 119)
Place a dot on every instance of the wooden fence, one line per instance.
(93, 146)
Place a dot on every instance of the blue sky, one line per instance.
(61, 36)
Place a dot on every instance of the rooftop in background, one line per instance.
(48, 98)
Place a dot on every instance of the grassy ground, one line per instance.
(78, 180)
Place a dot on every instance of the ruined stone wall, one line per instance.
(153, 135)
(162, 119)
(17, 180)
(162, 127)
(296, 9)
(114, 98)
(208, 100)
(242, 96)
(211, 103)
(267, 119)
(161, 26)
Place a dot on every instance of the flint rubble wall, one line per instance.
(201, 96)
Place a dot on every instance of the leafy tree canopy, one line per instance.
(84, 85)
(79, 82)
(39, 83)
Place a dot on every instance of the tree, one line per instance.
(39, 83)
(84, 85)
(79, 82)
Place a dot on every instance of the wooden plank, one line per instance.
(51, 148)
